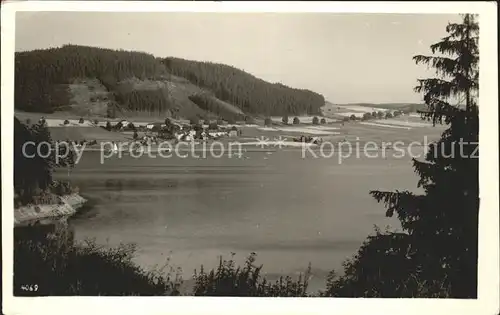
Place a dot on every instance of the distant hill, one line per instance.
(340, 111)
(91, 81)
(411, 107)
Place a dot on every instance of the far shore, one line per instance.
(405, 129)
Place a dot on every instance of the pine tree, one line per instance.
(36, 162)
(436, 253)
(442, 224)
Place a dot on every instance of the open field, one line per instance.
(407, 123)
(362, 109)
(406, 129)
(57, 119)
(383, 125)
(301, 130)
(352, 131)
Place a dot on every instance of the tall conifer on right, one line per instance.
(443, 223)
(436, 255)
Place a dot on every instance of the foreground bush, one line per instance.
(54, 266)
(229, 280)
(58, 267)
(384, 268)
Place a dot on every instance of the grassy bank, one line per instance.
(59, 267)
(49, 259)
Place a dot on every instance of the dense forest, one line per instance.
(251, 94)
(213, 105)
(38, 72)
(155, 101)
(42, 78)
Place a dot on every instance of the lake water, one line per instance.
(288, 209)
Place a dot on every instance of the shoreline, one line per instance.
(30, 215)
(269, 147)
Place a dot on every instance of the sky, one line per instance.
(348, 58)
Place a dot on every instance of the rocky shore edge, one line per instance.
(67, 206)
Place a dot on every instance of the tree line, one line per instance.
(381, 115)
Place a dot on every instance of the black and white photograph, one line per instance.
(312, 154)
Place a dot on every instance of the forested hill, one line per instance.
(251, 94)
(96, 81)
(41, 75)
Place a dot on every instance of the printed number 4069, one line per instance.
(30, 287)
